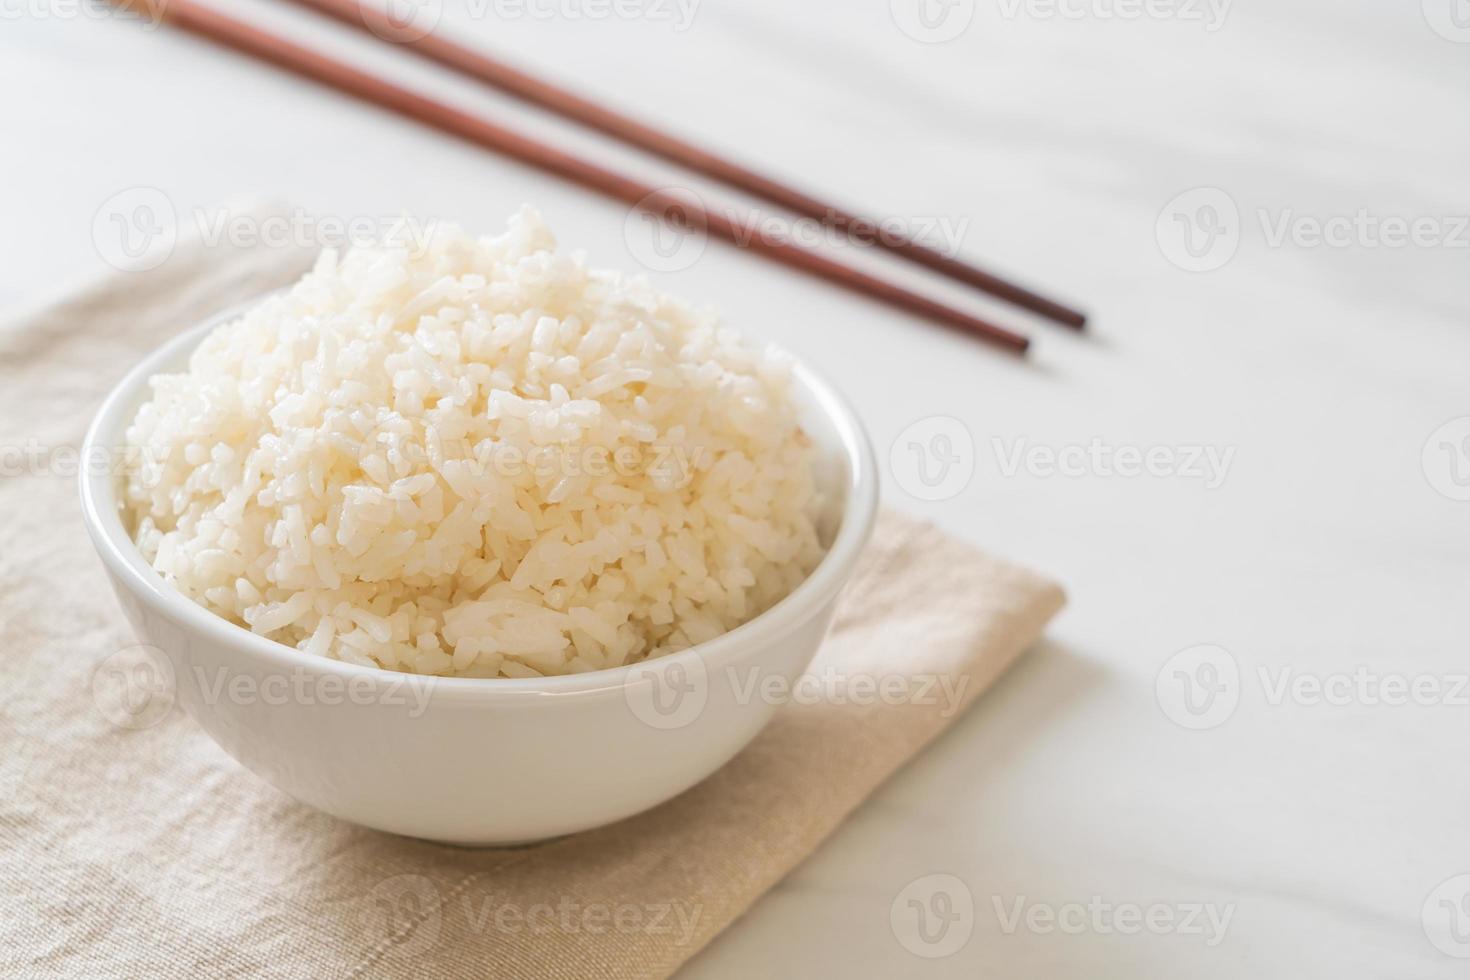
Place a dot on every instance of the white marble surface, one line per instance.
(1322, 829)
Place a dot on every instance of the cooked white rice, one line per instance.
(476, 457)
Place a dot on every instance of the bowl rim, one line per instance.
(102, 517)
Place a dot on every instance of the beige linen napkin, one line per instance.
(150, 853)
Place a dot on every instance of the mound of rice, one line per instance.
(476, 457)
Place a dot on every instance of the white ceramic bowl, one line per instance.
(477, 761)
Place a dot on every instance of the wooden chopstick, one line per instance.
(205, 22)
(529, 88)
